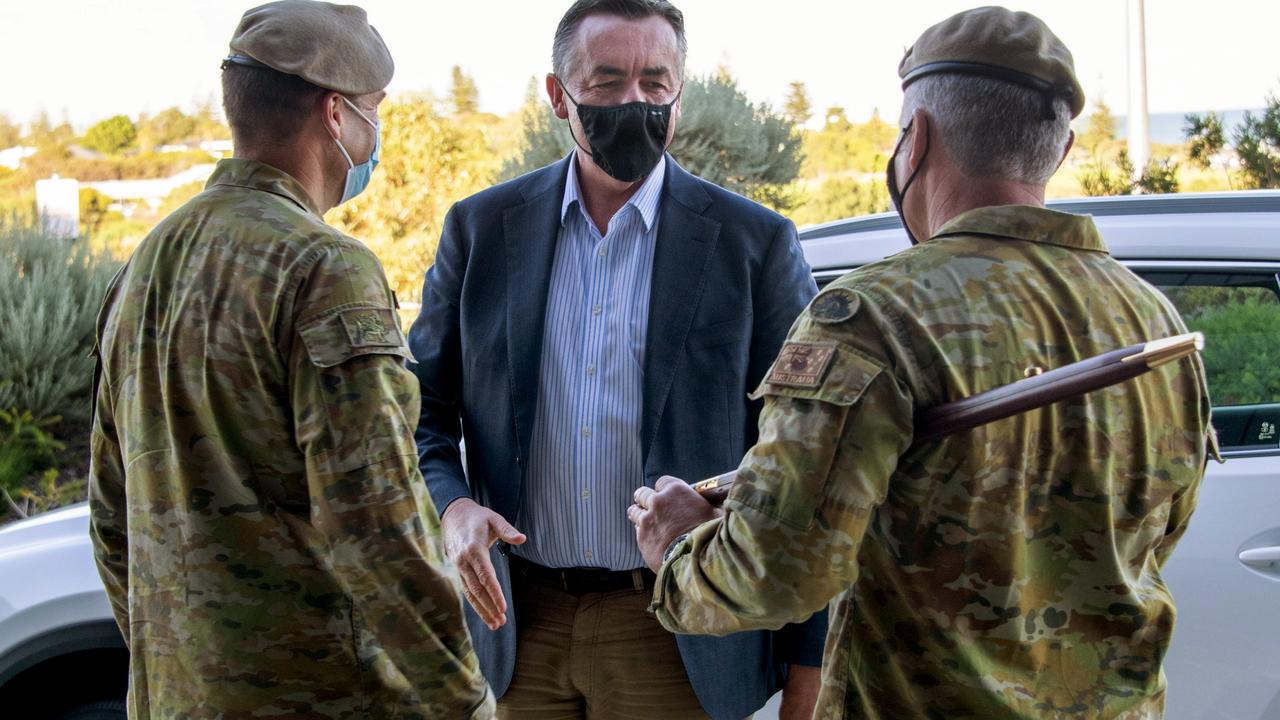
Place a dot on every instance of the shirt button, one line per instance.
(591, 370)
(588, 554)
(586, 432)
(596, 309)
(603, 252)
(586, 494)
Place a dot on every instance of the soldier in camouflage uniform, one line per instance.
(267, 543)
(1012, 571)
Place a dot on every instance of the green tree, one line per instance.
(722, 136)
(1256, 141)
(1099, 130)
(464, 93)
(430, 160)
(1102, 177)
(1205, 137)
(167, 127)
(842, 197)
(797, 108)
(111, 135)
(10, 133)
(42, 133)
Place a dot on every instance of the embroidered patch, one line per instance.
(834, 305)
(801, 364)
(371, 327)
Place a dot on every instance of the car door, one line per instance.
(1225, 573)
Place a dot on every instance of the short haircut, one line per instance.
(264, 105)
(564, 48)
(992, 127)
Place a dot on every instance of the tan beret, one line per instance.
(331, 46)
(994, 42)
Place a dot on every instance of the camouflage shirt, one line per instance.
(1012, 571)
(266, 540)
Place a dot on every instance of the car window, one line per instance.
(1239, 314)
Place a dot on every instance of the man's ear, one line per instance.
(331, 113)
(555, 93)
(920, 129)
(1071, 141)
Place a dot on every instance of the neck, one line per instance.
(965, 194)
(303, 162)
(602, 195)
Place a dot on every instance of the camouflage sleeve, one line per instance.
(834, 423)
(372, 522)
(108, 510)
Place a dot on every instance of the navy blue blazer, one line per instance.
(728, 281)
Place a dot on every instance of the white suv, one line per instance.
(1216, 256)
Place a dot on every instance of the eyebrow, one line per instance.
(614, 71)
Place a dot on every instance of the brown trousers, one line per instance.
(593, 656)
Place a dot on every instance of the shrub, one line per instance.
(27, 449)
(50, 292)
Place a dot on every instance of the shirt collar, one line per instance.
(251, 174)
(645, 200)
(1030, 223)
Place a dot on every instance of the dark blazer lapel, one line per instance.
(683, 248)
(530, 232)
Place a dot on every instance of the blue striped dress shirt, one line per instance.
(584, 460)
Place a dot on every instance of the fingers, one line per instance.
(635, 513)
(667, 481)
(643, 496)
(480, 586)
(502, 530)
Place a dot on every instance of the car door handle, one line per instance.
(1260, 557)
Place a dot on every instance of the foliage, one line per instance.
(112, 135)
(1099, 130)
(430, 161)
(841, 197)
(1205, 137)
(1101, 177)
(41, 132)
(545, 139)
(463, 93)
(28, 455)
(1256, 141)
(166, 127)
(10, 133)
(746, 147)
(26, 447)
(797, 108)
(143, 166)
(1242, 337)
(844, 147)
(50, 292)
(94, 209)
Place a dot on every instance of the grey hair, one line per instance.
(992, 127)
(564, 47)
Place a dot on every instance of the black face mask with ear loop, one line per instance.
(891, 179)
(626, 141)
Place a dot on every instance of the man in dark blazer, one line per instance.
(590, 327)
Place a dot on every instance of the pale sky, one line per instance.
(91, 59)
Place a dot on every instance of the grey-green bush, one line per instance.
(50, 292)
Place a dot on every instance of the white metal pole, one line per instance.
(1138, 130)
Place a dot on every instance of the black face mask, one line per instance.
(626, 141)
(891, 179)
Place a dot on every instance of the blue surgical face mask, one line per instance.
(358, 176)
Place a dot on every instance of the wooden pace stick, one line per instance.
(1037, 390)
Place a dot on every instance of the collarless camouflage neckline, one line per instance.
(254, 175)
(1029, 223)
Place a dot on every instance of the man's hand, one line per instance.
(470, 530)
(800, 694)
(663, 513)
